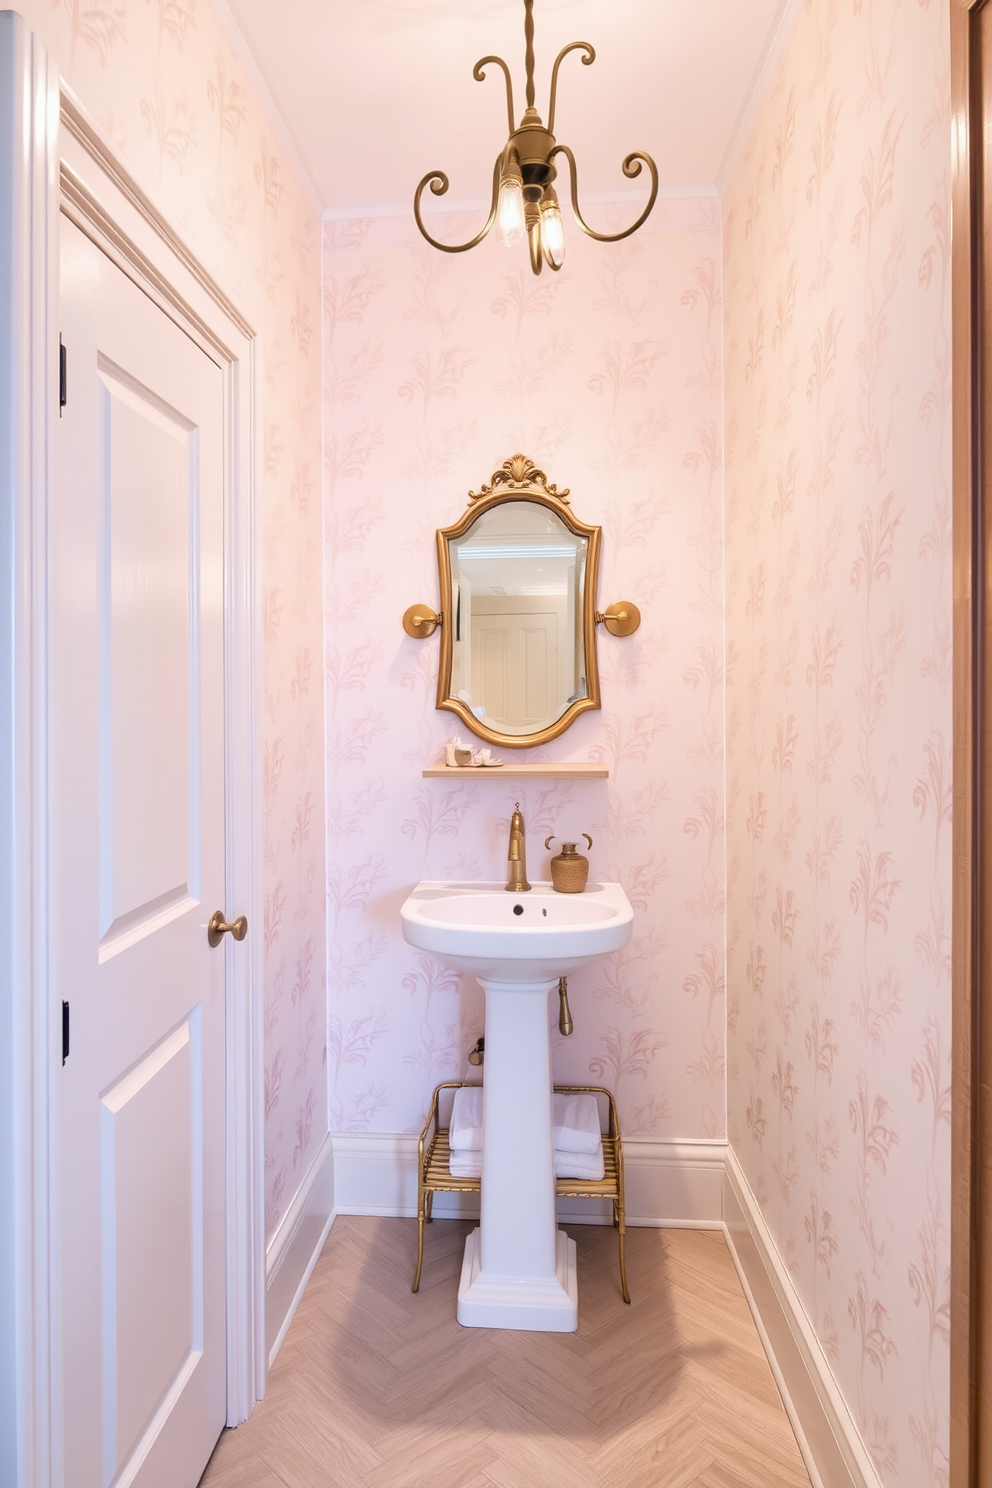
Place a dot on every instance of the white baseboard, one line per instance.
(292, 1252)
(375, 1173)
(666, 1183)
(828, 1437)
(674, 1185)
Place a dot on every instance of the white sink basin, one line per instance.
(540, 935)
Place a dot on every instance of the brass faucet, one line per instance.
(517, 855)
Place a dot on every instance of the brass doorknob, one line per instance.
(218, 927)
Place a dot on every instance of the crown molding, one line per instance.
(778, 34)
(274, 114)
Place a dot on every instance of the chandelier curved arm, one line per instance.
(439, 184)
(632, 166)
(479, 73)
(587, 61)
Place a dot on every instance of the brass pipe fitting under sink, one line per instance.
(565, 1024)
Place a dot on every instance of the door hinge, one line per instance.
(62, 377)
(65, 1032)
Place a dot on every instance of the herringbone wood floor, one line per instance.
(377, 1388)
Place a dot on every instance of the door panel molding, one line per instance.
(54, 159)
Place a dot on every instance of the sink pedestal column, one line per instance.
(519, 1269)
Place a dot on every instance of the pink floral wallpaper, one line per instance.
(162, 80)
(609, 376)
(788, 983)
(839, 700)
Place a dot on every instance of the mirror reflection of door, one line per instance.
(518, 655)
(520, 648)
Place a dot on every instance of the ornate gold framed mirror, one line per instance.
(517, 576)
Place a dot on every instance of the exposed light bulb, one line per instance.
(552, 231)
(510, 211)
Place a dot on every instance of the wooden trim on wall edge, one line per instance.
(966, 835)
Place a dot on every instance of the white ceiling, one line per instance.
(371, 94)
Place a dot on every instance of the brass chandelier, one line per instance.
(524, 199)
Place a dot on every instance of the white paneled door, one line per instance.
(138, 844)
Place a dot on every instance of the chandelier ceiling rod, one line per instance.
(524, 201)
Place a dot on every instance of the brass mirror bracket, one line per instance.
(420, 621)
(620, 619)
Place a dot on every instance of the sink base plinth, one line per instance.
(532, 1305)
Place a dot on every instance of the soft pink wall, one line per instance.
(839, 700)
(609, 376)
(162, 80)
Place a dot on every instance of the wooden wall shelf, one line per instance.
(571, 770)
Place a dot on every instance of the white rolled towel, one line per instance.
(583, 1165)
(576, 1123)
(465, 1127)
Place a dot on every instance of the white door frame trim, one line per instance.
(28, 207)
(63, 163)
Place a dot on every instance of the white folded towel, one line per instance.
(465, 1127)
(590, 1166)
(465, 1164)
(576, 1122)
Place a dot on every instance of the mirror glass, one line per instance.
(517, 627)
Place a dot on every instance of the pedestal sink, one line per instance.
(519, 1269)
